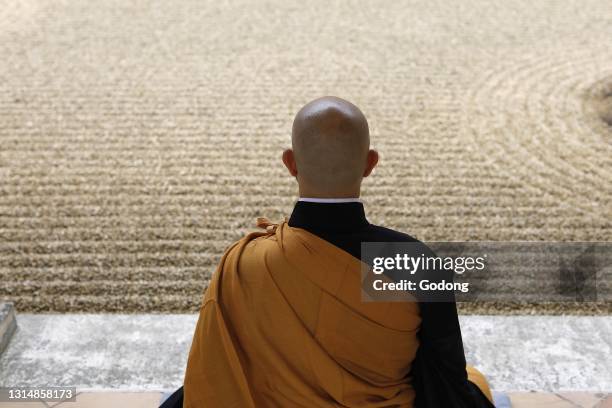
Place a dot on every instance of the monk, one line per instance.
(283, 324)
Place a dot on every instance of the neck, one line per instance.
(330, 200)
(349, 193)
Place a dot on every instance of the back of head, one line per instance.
(331, 140)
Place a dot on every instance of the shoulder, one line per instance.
(383, 234)
(389, 235)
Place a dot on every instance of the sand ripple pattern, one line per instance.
(139, 139)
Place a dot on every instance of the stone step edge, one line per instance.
(8, 324)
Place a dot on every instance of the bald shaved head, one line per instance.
(331, 145)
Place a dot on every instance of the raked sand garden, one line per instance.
(139, 139)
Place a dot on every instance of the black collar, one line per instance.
(331, 217)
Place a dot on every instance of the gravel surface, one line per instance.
(139, 139)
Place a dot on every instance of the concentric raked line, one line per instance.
(514, 139)
(528, 110)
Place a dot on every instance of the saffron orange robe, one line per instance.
(283, 324)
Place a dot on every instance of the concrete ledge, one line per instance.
(98, 399)
(541, 353)
(560, 400)
(8, 324)
(87, 351)
(149, 352)
(152, 399)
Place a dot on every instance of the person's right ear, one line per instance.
(289, 161)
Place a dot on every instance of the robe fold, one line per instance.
(283, 324)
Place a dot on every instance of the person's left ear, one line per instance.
(371, 162)
(289, 161)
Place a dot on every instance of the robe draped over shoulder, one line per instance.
(283, 324)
